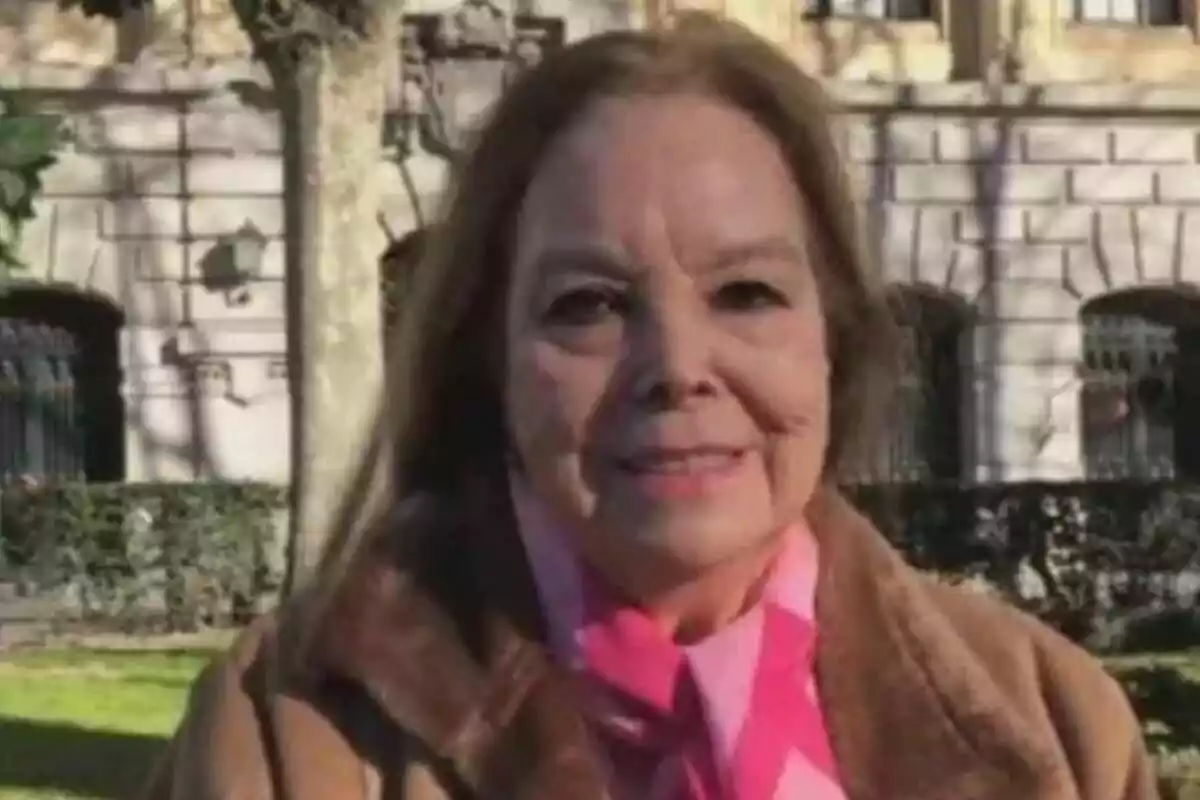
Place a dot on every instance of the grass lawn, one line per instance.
(1165, 691)
(87, 723)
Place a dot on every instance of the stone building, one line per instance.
(1030, 173)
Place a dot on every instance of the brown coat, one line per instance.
(418, 693)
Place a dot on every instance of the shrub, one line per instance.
(136, 556)
(1115, 566)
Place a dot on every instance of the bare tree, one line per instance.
(329, 61)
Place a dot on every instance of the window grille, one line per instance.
(874, 9)
(1128, 12)
(1132, 381)
(40, 431)
(922, 438)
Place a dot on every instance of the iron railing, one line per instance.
(41, 438)
(1131, 420)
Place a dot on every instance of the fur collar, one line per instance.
(448, 642)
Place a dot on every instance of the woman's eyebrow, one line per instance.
(577, 258)
(582, 258)
(776, 248)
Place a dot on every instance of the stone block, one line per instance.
(933, 184)
(963, 273)
(1037, 343)
(936, 243)
(144, 218)
(80, 174)
(1061, 224)
(1141, 245)
(130, 129)
(1002, 223)
(63, 244)
(1178, 185)
(898, 242)
(976, 141)
(234, 175)
(1086, 275)
(147, 352)
(1035, 261)
(1031, 299)
(248, 432)
(157, 259)
(211, 217)
(1056, 143)
(959, 184)
(891, 139)
(155, 303)
(83, 174)
(57, 219)
(1112, 184)
(1034, 408)
(163, 443)
(1023, 183)
(232, 131)
(150, 176)
(1155, 144)
(88, 263)
(256, 302)
(268, 342)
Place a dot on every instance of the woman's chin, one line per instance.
(688, 536)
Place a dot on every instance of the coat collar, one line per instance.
(449, 646)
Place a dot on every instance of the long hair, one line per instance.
(441, 417)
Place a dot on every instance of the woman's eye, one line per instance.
(748, 296)
(584, 306)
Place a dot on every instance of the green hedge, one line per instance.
(1115, 566)
(132, 557)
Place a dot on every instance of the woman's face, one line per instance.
(667, 377)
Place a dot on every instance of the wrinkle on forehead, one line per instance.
(682, 173)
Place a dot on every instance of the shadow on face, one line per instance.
(665, 342)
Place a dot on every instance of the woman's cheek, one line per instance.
(785, 389)
(553, 399)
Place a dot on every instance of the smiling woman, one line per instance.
(667, 322)
(594, 549)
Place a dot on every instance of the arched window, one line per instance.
(1140, 376)
(923, 438)
(61, 412)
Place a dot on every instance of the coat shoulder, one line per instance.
(1053, 681)
(218, 749)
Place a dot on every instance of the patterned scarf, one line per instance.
(732, 717)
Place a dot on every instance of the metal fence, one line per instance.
(41, 436)
(1128, 397)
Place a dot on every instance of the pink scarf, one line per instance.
(732, 717)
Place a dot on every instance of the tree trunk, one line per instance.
(334, 178)
(331, 82)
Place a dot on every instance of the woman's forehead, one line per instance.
(690, 165)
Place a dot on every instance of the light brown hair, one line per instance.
(441, 418)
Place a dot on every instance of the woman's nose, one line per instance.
(673, 360)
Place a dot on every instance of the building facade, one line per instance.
(1030, 174)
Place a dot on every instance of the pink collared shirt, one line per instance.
(766, 735)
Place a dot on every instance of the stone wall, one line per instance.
(1023, 203)
(1026, 205)
(200, 33)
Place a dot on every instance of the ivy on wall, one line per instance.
(29, 145)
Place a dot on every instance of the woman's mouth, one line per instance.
(682, 472)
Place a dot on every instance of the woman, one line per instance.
(594, 551)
